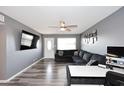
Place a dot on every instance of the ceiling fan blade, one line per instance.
(71, 26)
(68, 29)
(53, 27)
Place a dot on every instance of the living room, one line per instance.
(61, 45)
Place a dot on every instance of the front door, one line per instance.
(49, 47)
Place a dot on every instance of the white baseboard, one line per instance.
(5, 81)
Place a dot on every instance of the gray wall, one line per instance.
(16, 59)
(2, 52)
(110, 33)
(77, 36)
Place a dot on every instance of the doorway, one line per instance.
(49, 47)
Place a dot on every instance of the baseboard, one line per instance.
(5, 81)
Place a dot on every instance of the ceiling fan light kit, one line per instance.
(62, 23)
(62, 29)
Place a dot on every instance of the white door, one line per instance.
(49, 47)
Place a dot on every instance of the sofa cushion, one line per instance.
(100, 58)
(66, 56)
(87, 56)
(79, 60)
(80, 53)
(69, 52)
(76, 57)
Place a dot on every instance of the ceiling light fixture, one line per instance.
(62, 29)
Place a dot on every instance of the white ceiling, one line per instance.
(40, 17)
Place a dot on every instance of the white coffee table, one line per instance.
(85, 74)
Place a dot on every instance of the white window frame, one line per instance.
(66, 38)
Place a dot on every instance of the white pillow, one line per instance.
(90, 62)
(100, 65)
(76, 53)
(60, 53)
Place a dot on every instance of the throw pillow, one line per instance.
(92, 62)
(60, 53)
(87, 56)
(80, 53)
(76, 53)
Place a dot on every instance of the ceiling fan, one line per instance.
(63, 27)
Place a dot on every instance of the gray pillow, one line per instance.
(80, 53)
(92, 62)
(87, 56)
(60, 53)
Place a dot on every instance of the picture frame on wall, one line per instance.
(90, 37)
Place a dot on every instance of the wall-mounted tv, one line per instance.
(115, 50)
(28, 40)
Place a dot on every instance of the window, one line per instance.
(66, 43)
(49, 44)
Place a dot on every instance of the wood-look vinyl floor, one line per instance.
(46, 72)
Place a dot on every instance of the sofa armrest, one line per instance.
(114, 79)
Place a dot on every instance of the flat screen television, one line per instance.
(28, 40)
(115, 50)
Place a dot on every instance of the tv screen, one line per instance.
(28, 40)
(117, 51)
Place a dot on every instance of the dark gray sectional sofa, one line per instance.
(84, 57)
